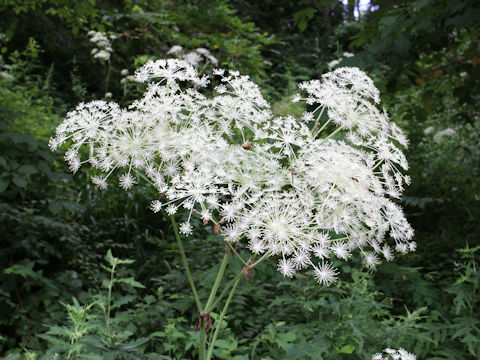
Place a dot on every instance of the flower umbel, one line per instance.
(280, 185)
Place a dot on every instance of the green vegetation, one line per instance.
(67, 290)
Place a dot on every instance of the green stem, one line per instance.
(323, 127)
(236, 253)
(264, 257)
(144, 177)
(332, 134)
(318, 118)
(229, 244)
(219, 321)
(208, 306)
(203, 340)
(377, 164)
(235, 282)
(185, 263)
(218, 280)
(109, 300)
(328, 195)
(224, 291)
(334, 213)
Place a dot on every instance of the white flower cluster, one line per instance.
(193, 57)
(103, 46)
(5, 70)
(276, 183)
(442, 134)
(391, 354)
(332, 64)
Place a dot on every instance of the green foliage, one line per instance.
(144, 30)
(100, 329)
(465, 320)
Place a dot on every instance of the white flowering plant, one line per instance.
(303, 191)
(393, 354)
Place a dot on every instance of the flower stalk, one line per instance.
(185, 264)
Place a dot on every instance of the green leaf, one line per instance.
(3, 161)
(419, 4)
(287, 337)
(132, 282)
(28, 170)
(55, 207)
(20, 181)
(123, 300)
(302, 18)
(127, 261)
(388, 20)
(160, 334)
(109, 257)
(347, 349)
(24, 270)
(134, 344)
(3, 184)
(224, 344)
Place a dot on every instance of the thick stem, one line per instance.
(185, 263)
(203, 340)
(219, 320)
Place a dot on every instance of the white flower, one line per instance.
(186, 228)
(126, 181)
(100, 182)
(102, 55)
(193, 58)
(392, 354)
(333, 63)
(175, 49)
(438, 137)
(102, 42)
(340, 250)
(278, 186)
(171, 209)
(325, 274)
(286, 267)
(156, 206)
(429, 130)
(370, 259)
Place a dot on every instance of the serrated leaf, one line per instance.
(109, 257)
(134, 344)
(94, 342)
(126, 261)
(123, 300)
(132, 282)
